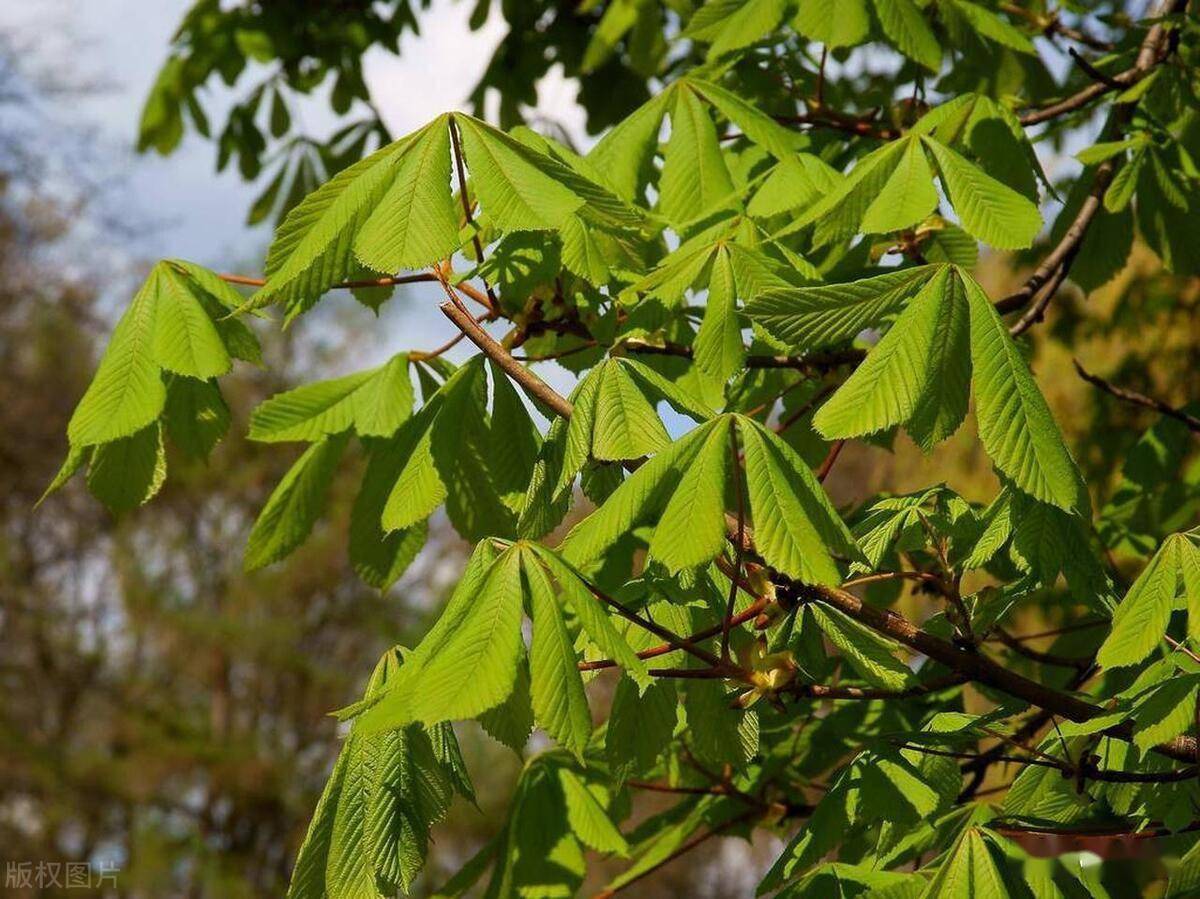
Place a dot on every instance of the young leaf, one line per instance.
(374, 402)
(126, 473)
(1141, 618)
(719, 351)
(806, 318)
(559, 702)
(593, 617)
(907, 196)
(989, 209)
(906, 28)
(691, 530)
(795, 526)
(884, 390)
(415, 223)
(694, 177)
(186, 340)
(588, 819)
(293, 507)
(127, 392)
(518, 188)
(1015, 424)
(871, 655)
(638, 497)
(625, 423)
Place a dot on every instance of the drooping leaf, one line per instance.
(1015, 424)
(293, 507)
(374, 402)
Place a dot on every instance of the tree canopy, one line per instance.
(782, 246)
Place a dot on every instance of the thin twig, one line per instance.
(1138, 399)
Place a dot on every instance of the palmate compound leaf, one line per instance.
(969, 869)
(1141, 618)
(470, 662)
(891, 188)
(918, 372)
(374, 403)
(685, 486)
(175, 332)
(370, 831)
(923, 351)
(395, 210)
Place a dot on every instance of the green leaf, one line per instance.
(756, 125)
(989, 25)
(623, 155)
(196, 416)
(795, 526)
(691, 530)
(868, 653)
(516, 186)
(836, 23)
(308, 875)
(594, 619)
(625, 423)
(694, 177)
(719, 351)
(293, 507)
(906, 28)
(796, 182)
(379, 558)
(418, 488)
(127, 392)
(374, 402)
(587, 818)
(312, 249)
(884, 390)
(577, 447)
(1165, 711)
(77, 457)
(806, 318)
(473, 667)
(639, 727)
(969, 870)
(1141, 618)
(989, 209)
(942, 404)
(732, 24)
(512, 721)
(907, 196)
(415, 223)
(676, 396)
(462, 445)
(186, 340)
(638, 497)
(559, 702)
(126, 473)
(1015, 424)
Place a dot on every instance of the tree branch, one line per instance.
(1138, 399)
